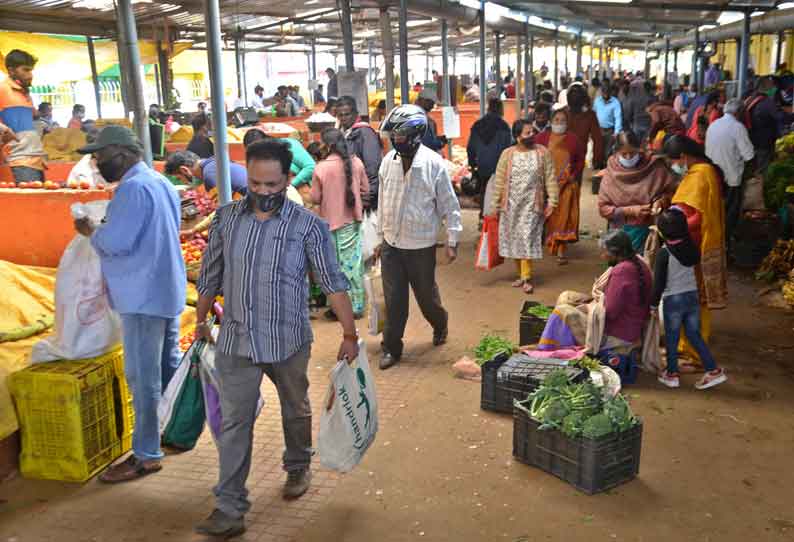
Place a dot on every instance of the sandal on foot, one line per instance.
(562, 260)
(528, 288)
(130, 469)
(518, 284)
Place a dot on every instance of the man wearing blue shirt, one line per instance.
(138, 246)
(610, 115)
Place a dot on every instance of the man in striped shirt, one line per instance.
(259, 254)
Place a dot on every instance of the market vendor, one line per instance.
(302, 166)
(185, 167)
(622, 304)
(145, 275)
(20, 143)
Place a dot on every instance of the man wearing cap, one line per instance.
(427, 100)
(138, 246)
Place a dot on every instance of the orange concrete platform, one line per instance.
(36, 225)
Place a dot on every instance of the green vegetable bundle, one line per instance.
(578, 409)
(540, 311)
(491, 346)
(778, 177)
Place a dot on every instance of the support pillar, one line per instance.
(129, 41)
(388, 56)
(483, 69)
(347, 34)
(498, 62)
(404, 87)
(238, 66)
(531, 69)
(781, 37)
(94, 76)
(556, 66)
(666, 62)
(745, 56)
(578, 55)
(212, 16)
(696, 63)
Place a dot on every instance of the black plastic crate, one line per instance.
(530, 327)
(507, 378)
(591, 466)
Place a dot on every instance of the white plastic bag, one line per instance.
(369, 236)
(85, 325)
(349, 420)
(373, 286)
(490, 207)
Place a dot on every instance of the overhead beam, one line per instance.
(46, 24)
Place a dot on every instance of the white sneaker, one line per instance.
(670, 380)
(711, 379)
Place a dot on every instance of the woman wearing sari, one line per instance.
(699, 197)
(567, 153)
(525, 186)
(633, 182)
(614, 316)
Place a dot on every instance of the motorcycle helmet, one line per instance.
(408, 121)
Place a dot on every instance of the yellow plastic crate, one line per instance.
(67, 418)
(125, 414)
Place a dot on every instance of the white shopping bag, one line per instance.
(85, 325)
(373, 286)
(349, 420)
(369, 236)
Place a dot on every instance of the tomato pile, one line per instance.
(186, 340)
(52, 185)
(192, 249)
(203, 202)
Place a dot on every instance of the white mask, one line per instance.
(559, 129)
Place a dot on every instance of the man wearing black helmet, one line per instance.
(415, 199)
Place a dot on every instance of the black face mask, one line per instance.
(269, 203)
(407, 149)
(112, 169)
(528, 141)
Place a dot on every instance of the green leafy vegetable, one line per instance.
(541, 311)
(779, 175)
(491, 346)
(578, 409)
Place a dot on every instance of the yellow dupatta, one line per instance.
(701, 190)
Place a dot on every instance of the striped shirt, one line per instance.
(261, 267)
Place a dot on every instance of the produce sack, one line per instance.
(651, 355)
(753, 194)
(488, 248)
(349, 420)
(181, 410)
(85, 325)
(369, 236)
(376, 300)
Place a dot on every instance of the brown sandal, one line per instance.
(130, 469)
(528, 288)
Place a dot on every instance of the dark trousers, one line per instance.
(733, 211)
(400, 269)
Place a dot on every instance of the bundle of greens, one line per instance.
(539, 311)
(778, 177)
(578, 409)
(491, 346)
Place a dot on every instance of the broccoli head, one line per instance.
(597, 426)
(573, 423)
(619, 413)
(555, 413)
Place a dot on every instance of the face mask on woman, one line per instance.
(629, 163)
(559, 129)
(679, 169)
